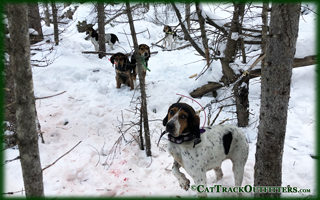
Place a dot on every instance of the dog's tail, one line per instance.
(118, 40)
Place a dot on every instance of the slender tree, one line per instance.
(203, 33)
(232, 43)
(25, 101)
(101, 31)
(46, 14)
(142, 83)
(35, 22)
(55, 23)
(275, 94)
(187, 16)
(185, 31)
(264, 37)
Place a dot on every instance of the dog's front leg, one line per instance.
(183, 181)
(200, 178)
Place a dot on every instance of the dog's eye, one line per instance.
(171, 112)
(183, 117)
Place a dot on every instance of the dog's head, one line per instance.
(181, 118)
(144, 51)
(167, 29)
(119, 59)
(89, 31)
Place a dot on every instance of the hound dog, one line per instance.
(170, 37)
(124, 70)
(110, 38)
(216, 144)
(144, 52)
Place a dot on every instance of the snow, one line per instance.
(33, 32)
(93, 111)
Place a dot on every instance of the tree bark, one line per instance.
(55, 23)
(35, 23)
(101, 31)
(142, 83)
(275, 94)
(25, 100)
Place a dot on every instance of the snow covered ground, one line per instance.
(93, 111)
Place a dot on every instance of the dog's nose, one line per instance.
(170, 127)
(146, 54)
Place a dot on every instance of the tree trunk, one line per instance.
(275, 94)
(35, 23)
(264, 36)
(203, 34)
(101, 31)
(55, 23)
(241, 94)
(197, 48)
(141, 81)
(25, 100)
(187, 16)
(232, 44)
(46, 14)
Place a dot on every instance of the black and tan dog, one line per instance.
(125, 72)
(144, 52)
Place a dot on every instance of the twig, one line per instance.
(37, 98)
(224, 121)
(61, 157)
(167, 168)
(98, 154)
(7, 161)
(216, 116)
(150, 162)
(127, 39)
(11, 193)
(97, 52)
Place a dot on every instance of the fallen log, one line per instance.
(298, 62)
(213, 86)
(210, 87)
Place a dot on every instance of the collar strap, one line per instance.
(181, 138)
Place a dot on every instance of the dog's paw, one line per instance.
(184, 184)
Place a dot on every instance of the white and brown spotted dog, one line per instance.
(144, 52)
(216, 144)
(170, 37)
(110, 38)
(124, 70)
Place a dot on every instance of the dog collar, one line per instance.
(180, 139)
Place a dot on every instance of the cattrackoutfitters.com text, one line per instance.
(248, 189)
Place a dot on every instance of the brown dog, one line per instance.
(144, 52)
(124, 70)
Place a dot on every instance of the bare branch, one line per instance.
(61, 157)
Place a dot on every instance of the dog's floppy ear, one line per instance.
(194, 129)
(165, 120)
(149, 54)
(112, 59)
